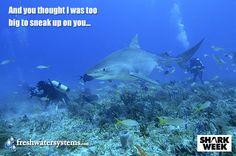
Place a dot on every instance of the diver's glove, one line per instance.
(86, 78)
(33, 91)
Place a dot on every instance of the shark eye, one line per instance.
(103, 69)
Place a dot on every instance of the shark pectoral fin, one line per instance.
(143, 78)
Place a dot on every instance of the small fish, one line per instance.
(165, 120)
(206, 82)
(203, 106)
(205, 55)
(217, 48)
(140, 150)
(4, 62)
(193, 84)
(215, 77)
(42, 67)
(99, 89)
(162, 120)
(218, 60)
(81, 83)
(185, 72)
(177, 122)
(127, 122)
(230, 56)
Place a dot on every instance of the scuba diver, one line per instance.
(196, 68)
(50, 91)
(231, 56)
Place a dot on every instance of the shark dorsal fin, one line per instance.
(134, 42)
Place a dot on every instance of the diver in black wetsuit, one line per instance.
(196, 68)
(49, 92)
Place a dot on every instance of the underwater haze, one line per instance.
(102, 107)
(71, 51)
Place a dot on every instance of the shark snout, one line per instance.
(96, 76)
(101, 75)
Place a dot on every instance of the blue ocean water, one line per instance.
(71, 51)
(162, 26)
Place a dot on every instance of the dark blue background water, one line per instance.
(71, 51)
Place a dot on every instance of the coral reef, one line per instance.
(124, 137)
(160, 120)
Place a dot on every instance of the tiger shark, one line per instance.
(132, 63)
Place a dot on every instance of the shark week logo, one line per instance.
(214, 143)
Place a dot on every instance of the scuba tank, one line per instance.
(59, 86)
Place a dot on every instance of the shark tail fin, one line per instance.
(186, 56)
